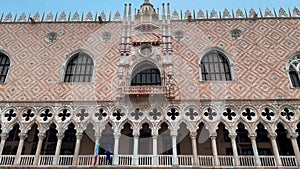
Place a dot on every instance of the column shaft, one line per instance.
(39, 148)
(174, 147)
(135, 160)
(155, 157)
(116, 149)
(234, 150)
(255, 151)
(60, 136)
(215, 150)
(295, 148)
(275, 150)
(97, 140)
(20, 148)
(77, 148)
(4, 136)
(193, 136)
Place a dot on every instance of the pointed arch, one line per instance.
(216, 65)
(4, 66)
(293, 68)
(79, 67)
(145, 73)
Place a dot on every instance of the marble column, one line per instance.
(234, 149)
(214, 149)
(20, 147)
(293, 137)
(174, 148)
(135, 159)
(97, 140)
(60, 136)
(77, 148)
(117, 136)
(252, 137)
(193, 136)
(39, 148)
(275, 149)
(4, 136)
(155, 155)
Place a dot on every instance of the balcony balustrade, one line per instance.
(148, 160)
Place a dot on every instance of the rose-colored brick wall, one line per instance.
(259, 59)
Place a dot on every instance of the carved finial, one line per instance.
(239, 13)
(268, 13)
(282, 13)
(22, 18)
(89, 16)
(8, 18)
(175, 15)
(252, 13)
(49, 17)
(117, 16)
(226, 14)
(103, 16)
(36, 17)
(187, 14)
(213, 14)
(62, 17)
(296, 12)
(75, 17)
(200, 14)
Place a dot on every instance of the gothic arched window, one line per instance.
(4, 66)
(293, 67)
(80, 68)
(146, 75)
(215, 67)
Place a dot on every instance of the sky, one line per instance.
(33, 6)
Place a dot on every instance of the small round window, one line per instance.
(179, 35)
(146, 50)
(106, 37)
(51, 37)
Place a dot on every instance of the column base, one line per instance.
(175, 166)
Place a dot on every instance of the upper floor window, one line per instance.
(4, 66)
(146, 75)
(79, 69)
(293, 68)
(215, 67)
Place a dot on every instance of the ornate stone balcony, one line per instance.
(145, 90)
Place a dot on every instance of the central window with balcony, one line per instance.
(146, 75)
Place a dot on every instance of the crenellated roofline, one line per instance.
(175, 16)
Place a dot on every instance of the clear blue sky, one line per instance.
(33, 6)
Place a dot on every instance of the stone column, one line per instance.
(117, 136)
(60, 136)
(272, 136)
(77, 148)
(214, 149)
(20, 147)
(174, 148)
(234, 149)
(293, 138)
(193, 136)
(4, 136)
(39, 148)
(155, 156)
(97, 140)
(252, 137)
(135, 159)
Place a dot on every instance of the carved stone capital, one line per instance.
(60, 136)
(23, 136)
(117, 135)
(252, 135)
(232, 136)
(272, 136)
(292, 135)
(193, 135)
(42, 136)
(79, 135)
(4, 136)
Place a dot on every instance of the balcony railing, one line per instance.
(148, 160)
(143, 90)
